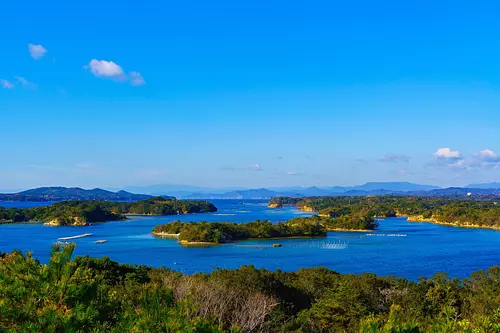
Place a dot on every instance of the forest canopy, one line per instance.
(88, 211)
(450, 211)
(223, 232)
(100, 295)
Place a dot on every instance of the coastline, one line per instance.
(184, 242)
(165, 235)
(432, 220)
(281, 238)
(54, 223)
(349, 230)
(131, 214)
(187, 243)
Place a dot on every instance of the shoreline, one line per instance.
(130, 214)
(165, 235)
(349, 230)
(450, 224)
(281, 238)
(187, 243)
(125, 218)
(184, 242)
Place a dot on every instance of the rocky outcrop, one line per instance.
(307, 209)
(421, 218)
(74, 221)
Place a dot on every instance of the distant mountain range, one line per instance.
(186, 191)
(178, 191)
(193, 192)
(371, 188)
(268, 194)
(72, 193)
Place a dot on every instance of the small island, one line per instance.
(226, 232)
(82, 213)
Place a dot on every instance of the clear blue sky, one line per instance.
(249, 93)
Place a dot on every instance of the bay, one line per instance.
(398, 247)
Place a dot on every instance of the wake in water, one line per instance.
(324, 244)
(222, 214)
(387, 235)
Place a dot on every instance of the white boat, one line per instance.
(74, 237)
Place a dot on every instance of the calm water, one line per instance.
(397, 248)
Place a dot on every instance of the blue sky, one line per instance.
(249, 93)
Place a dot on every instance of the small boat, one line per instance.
(100, 241)
(277, 245)
(74, 237)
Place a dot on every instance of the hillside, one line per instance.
(71, 193)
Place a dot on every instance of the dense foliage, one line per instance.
(223, 232)
(354, 221)
(84, 212)
(63, 213)
(279, 202)
(163, 206)
(99, 295)
(452, 211)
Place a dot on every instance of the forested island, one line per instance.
(225, 232)
(81, 213)
(99, 295)
(454, 212)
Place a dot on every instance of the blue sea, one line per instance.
(398, 247)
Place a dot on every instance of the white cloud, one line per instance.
(484, 159)
(110, 69)
(22, 80)
(459, 164)
(447, 154)
(103, 68)
(136, 79)
(36, 51)
(255, 167)
(488, 156)
(6, 84)
(25, 83)
(450, 159)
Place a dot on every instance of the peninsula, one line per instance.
(468, 213)
(82, 213)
